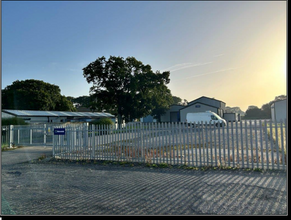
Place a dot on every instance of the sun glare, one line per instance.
(284, 68)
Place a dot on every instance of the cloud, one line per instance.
(219, 55)
(184, 66)
(218, 71)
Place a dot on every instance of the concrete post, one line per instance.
(44, 135)
(30, 137)
(11, 136)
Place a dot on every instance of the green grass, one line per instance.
(43, 156)
(5, 147)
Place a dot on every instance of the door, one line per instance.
(173, 116)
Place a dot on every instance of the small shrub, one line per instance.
(43, 156)
(148, 165)
(163, 165)
(102, 121)
(13, 121)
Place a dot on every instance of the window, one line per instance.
(197, 106)
(213, 117)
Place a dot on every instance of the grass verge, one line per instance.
(149, 165)
(5, 147)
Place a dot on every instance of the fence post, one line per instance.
(93, 142)
(30, 136)
(11, 136)
(53, 145)
(44, 135)
(18, 134)
(141, 143)
(85, 133)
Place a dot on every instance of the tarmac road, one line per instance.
(58, 188)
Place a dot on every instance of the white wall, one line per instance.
(279, 112)
(45, 119)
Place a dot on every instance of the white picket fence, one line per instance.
(246, 144)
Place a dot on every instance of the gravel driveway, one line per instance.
(59, 188)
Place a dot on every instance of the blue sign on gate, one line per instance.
(59, 131)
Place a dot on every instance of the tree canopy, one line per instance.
(127, 87)
(34, 94)
(264, 112)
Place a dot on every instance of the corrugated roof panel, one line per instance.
(56, 113)
(63, 113)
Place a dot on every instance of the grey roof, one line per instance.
(34, 113)
(194, 103)
(205, 98)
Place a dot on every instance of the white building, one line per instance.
(33, 116)
(279, 110)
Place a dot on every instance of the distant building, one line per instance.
(148, 119)
(33, 116)
(279, 110)
(177, 113)
(173, 114)
(203, 104)
(231, 116)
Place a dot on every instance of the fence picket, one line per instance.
(282, 145)
(256, 135)
(276, 143)
(223, 136)
(211, 148)
(242, 146)
(237, 143)
(251, 139)
(271, 143)
(219, 144)
(261, 144)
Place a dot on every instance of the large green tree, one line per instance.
(34, 95)
(126, 87)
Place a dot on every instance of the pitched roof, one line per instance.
(206, 98)
(193, 103)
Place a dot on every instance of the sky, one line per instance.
(233, 51)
